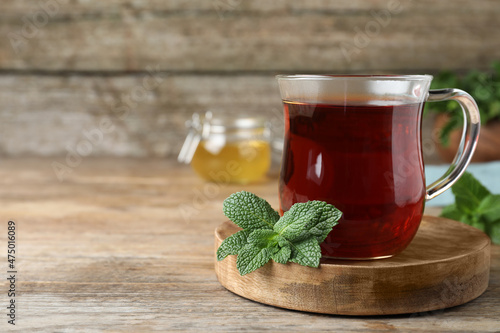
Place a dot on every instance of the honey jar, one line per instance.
(227, 149)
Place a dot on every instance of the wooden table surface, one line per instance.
(128, 245)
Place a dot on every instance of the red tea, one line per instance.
(364, 159)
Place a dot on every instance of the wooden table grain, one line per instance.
(128, 245)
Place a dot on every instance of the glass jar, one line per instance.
(228, 149)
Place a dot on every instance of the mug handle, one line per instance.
(468, 142)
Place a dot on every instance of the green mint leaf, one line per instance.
(495, 234)
(469, 193)
(303, 220)
(306, 252)
(263, 238)
(282, 242)
(293, 222)
(328, 217)
(294, 237)
(476, 206)
(261, 245)
(452, 212)
(252, 257)
(232, 244)
(249, 212)
(489, 208)
(282, 255)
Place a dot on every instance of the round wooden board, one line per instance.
(447, 264)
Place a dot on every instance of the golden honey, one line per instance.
(227, 149)
(232, 162)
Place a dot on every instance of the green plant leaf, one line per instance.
(282, 255)
(483, 86)
(292, 224)
(294, 237)
(307, 252)
(496, 66)
(476, 206)
(489, 208)
(452, 212)
(303, 220)
(494, 111)
(263, 238)
(469, 193)
(232, 244)
(250, 212)
(445, 79)
(328, 217)
(495, 234)
(252, 257)
(261, 245)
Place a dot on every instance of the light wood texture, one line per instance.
(50, 115)
(447, 264)
(237, 35)
(66, 64)
(126, 245)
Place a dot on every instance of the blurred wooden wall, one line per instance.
(124, 75)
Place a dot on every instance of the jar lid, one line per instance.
(226, 123)
(200, 126)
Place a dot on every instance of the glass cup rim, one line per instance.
(355, 77)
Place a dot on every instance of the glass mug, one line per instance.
(354, 141)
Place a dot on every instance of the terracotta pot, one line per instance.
(488, 147)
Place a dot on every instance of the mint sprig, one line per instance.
(475, 205)
(294, 237)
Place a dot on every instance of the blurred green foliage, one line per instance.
(484, 87)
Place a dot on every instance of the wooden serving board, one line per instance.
(447, 264)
